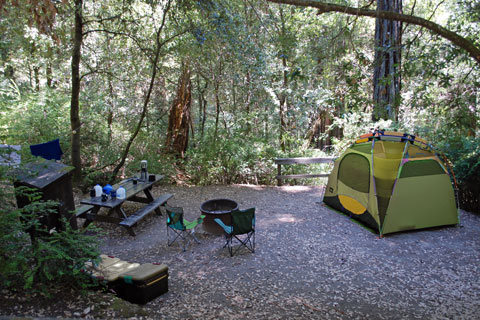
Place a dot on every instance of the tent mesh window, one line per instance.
(363, 148)
(421, 168)
(386, 162)
(417, 152)
(354, 171)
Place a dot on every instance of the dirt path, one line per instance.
(310, 262)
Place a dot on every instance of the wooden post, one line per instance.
(279, 173)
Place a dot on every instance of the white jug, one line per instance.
(98, 190)
(121, 193)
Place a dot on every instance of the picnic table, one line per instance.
(116, 214)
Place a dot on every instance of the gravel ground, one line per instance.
(310, 263)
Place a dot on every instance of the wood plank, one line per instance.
(139, 199)
(80, 211)
(303, 160)
(301, 176)
(143, 212)
(101, 218)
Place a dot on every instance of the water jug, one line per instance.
(121, 193)
(98, 190)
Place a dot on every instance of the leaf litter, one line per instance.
(310, 263)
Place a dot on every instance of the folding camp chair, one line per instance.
(48, 150)
(181, 228)
(242, 228)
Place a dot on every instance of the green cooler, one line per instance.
(143, 283)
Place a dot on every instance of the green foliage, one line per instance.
(60, 258)
(354, 124)
(34, 117)
(54, 259)
(246, 57)
(464, 152)
(230, 160)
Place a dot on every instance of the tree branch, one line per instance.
(149, 92)
(453, 37)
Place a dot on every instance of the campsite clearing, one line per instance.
(310, 263)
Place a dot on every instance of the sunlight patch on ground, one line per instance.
(281, 218)
(286, 218)
(252, 186)
(299, 189)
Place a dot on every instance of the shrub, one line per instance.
(225, 161)
(54, 259)
(464, 153)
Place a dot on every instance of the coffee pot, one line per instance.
(143, 170)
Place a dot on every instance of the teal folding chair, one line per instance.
(241, 229)
(180, 228)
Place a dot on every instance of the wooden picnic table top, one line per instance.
(131, 190)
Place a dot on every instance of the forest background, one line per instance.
(210, 92)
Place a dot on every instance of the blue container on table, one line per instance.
(107, 189)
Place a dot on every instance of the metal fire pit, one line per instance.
(217, 208)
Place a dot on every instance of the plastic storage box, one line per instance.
(143, 283)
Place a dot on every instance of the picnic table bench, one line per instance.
(133, 186)
(143, 212)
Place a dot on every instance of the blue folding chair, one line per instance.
(48, 150)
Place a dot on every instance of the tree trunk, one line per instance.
(48, 67)
(179, 120)
(36, 71)
(248, 100)
(202, 105)
(387, 76)
(48, 74)
(283, 95)
(320, 125)
(110, 99)
(216, 87)
(282, 112)
(74, 104)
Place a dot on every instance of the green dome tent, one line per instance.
(392, 182)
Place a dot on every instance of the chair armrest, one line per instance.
(227, 229)
(194, 223)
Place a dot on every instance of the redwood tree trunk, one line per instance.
(179, 118)
(74, 104)
(283, 103)
(387, 76)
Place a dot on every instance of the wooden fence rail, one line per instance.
(284, 161)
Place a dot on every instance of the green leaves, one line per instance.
(55, 258)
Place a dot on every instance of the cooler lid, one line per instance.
(144, 272)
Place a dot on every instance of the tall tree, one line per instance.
(179, 120)
(74, 103)
(388, 52)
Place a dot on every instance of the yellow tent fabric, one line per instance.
(392, 181)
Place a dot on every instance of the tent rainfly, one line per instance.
(393, 182)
